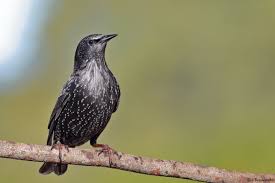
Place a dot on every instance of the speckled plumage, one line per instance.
(87, 100)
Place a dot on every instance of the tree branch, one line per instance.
(127, 162)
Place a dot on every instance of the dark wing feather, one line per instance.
(117, 96)
(59, 106)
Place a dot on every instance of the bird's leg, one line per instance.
(58, 146)
(104, 148)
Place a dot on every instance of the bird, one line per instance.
(86, 103)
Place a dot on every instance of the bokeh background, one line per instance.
(197, 80)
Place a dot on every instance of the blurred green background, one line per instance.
(197, 83)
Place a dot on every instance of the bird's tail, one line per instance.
(57, 168)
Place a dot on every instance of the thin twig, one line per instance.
(127, 162)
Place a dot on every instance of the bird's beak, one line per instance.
(108, 37)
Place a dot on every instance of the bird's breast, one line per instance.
(95, 82)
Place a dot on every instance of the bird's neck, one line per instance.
(99, 64)
(95, 70)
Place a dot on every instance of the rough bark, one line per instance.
(128, 162)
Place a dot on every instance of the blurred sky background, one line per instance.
(197, 80)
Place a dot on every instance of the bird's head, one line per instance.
(90, 48)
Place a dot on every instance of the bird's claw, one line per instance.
(58, 146)
(105, 149)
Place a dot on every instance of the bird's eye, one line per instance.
(90, 42)
(93, 41)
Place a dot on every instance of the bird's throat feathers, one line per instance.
(94, 76)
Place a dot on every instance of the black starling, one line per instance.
(87, 100)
